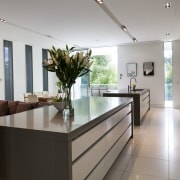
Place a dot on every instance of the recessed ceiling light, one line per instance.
(167, 5)
(113, 17)
(99, 1)
(2, 20)
(49, 36)
(124, 28)
(134, 39)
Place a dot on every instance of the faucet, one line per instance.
(130, 86)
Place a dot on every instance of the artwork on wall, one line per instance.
(148, 68)
(131, 69)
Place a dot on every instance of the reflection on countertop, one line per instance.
(86, 111)
(126, 91)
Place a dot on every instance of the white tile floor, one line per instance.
(154, 152)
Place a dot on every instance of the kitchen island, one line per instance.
(141, 99)
(40, 145)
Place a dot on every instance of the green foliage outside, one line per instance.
(168, 77)
(102, 70)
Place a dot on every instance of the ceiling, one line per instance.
(84, 23)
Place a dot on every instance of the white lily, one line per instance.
(80, 55)
(50, 61)
(90, 64)
(67, 59)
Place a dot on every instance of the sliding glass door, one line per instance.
(81, 87)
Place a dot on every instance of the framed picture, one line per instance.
(131, 69)
(148, 68)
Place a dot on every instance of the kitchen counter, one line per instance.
(40, 144)
(125, 91)
(141, 99)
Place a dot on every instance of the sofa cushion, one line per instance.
(3, 107)
(35, 104)
(12, 106)
(23, 106)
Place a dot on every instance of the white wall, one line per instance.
(19, 71)
(176, 73)
(20, 37)
(139, 53)
(52, 79)
(37, 69)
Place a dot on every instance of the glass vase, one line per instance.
(68, 110)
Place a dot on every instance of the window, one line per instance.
(168, 74)
(8, 70)
(29, 69)
(45, 72)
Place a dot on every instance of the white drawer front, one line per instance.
(83, 142)
(118, 131)
(83, 166)
(102, 168)
(145, 95)
(126, 109)
(146, 100)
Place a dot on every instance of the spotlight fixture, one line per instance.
(124, 28)
(167, 5)
(167, 34)
(134, 39)
(2, 20)
(49, 36)
(99, 1)
(113, 17)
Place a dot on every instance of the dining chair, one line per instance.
(33, 98)
(26, 96)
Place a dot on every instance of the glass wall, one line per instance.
(168, 74)
(81, 86)
(103, 74)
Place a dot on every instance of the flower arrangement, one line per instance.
(68, 66)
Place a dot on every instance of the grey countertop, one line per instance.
(126, 92)
(87, 113)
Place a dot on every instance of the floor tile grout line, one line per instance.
(168, 141)
(168, 118)
(130, 159)
(124, 171)
(153, 158)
